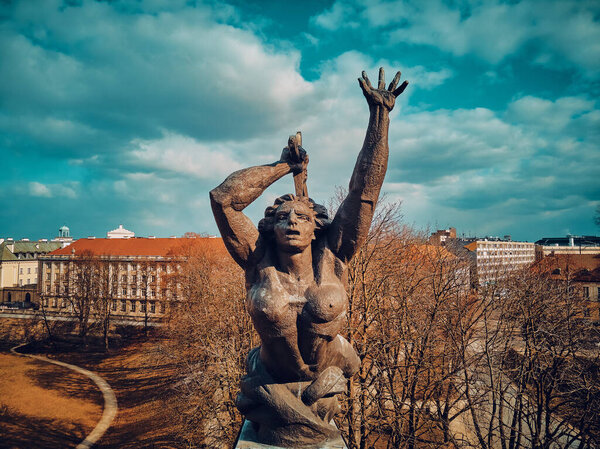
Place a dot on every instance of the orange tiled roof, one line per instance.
(137, 246)
(574, 265)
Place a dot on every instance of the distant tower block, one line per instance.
(120, 233)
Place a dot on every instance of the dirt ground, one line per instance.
(46, 406)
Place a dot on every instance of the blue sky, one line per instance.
(131, 111)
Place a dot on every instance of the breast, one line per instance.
(325, 302)
(273, 310)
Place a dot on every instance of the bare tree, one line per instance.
(80, 288)
(529, 380)
(405, 297)
(209, 334)
(105, 288)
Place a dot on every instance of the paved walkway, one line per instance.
(110, 401)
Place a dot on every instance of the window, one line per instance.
(124, 292)
(48, 276)
(9, 299)
(123, 306)
(124, 278)
(35, 270)
(20, 282)
(586, 292)
(63, 303)
(162, 307)
(134, 278)
(598, 294)
(28, 281)
(45, 302)
(54, 302)
(143, 307)
(152, 278)
(28, 270)
(114, 306)
(153, 293)
(152, 307)
(133, 306)
(133, 291)
(20, 270)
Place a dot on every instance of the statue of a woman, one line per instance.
(295, 265)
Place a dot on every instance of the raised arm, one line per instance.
(353, 219)
(239, 190)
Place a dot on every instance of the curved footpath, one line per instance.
(110, 401)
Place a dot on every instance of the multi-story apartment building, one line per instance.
(137, 276)
(492, 259)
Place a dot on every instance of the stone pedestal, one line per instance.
(247, 440)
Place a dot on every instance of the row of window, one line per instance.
(586, 292)
(117, 305)
(28, 270)
(124, 279)
(133, 306)
(134, 292)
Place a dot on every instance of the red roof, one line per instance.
(138, 246)
(579, 267)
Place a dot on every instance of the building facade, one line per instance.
(492, 260)
(582, 272)
(19, 269)
(120, 233)
(571, 244)
(137, 277)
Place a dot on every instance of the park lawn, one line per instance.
(47, 406)
(44, 405)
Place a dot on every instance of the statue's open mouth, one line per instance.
(292, 232)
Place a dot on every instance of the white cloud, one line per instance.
(560, 31)
(183, 155)
(67, 189)
(39, 189)
(91, 72)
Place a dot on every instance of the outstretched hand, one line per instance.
(381, 96)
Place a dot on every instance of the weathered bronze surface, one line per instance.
(295, 264)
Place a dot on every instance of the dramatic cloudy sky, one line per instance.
(131, 111)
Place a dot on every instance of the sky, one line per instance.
(130, 112)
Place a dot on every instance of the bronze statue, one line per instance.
(295, 265)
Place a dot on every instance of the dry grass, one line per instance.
(47, 406)
(44, 405)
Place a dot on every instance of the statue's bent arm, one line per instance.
(232, 196)
(352, 221)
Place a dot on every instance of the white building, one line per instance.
(120, 233)
(494, 259)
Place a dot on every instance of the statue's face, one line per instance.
(294, 226)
